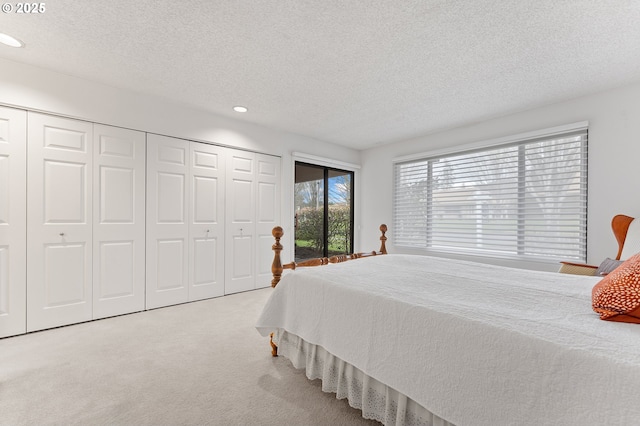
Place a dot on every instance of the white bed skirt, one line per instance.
(376, 400)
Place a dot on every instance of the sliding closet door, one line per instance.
(119, 217)
(240, 235)
(167, 221)
(253, 209)
(13, 204)
(59, 203)
(267, 214)
(206, 228)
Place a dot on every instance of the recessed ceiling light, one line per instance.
(240, 109)
(10, 41)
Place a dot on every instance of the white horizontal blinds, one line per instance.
(556, 198)
(411, 203)
(524, 200)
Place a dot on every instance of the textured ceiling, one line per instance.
(356, 73)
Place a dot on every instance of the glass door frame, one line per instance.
(326, 171)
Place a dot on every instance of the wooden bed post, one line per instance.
(274, 348)
(276, 266)
(383, 239)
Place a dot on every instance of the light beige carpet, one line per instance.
(200, 363)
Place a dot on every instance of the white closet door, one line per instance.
(13, 204)
(167, 221)
(206, 228)
(59, 202)
(118, 221)
(240, 270)
(267, 214)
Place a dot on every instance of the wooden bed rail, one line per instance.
(277, 267)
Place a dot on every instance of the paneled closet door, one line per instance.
(267, 214)
(167, 221)
(118, 221)
(240, 270)
(59, 203)
(13, 204)
(206, 228)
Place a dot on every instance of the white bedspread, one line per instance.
(474, 344)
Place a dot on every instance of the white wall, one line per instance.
(614, 159)
(614, 143)
(37, 89)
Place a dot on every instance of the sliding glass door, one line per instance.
(323, 211)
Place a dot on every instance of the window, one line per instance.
(523, 200)
(323, 211)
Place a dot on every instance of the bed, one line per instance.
(426, 340)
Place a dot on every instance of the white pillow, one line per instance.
(607, 266)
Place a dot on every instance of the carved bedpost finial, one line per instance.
(276, 266)
(383, 239)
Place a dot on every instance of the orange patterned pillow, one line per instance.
(617, 296)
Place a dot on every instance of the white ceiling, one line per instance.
(356, 73)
